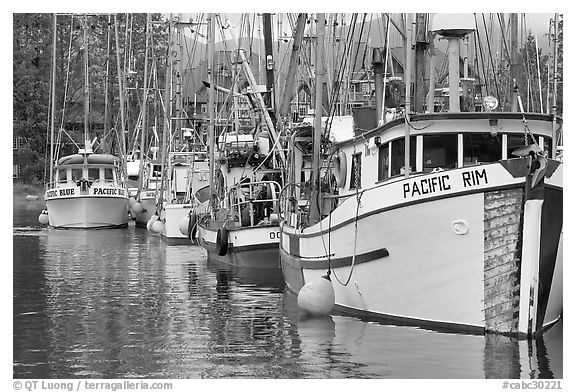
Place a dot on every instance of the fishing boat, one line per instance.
(241, 226)
(445, 220)
(86, 190)
(144, 178)
(188, 173)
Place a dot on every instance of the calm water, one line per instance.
(123, 304)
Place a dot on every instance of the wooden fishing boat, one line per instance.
(245, 234)
(470, 241)
(241, 226)
(447, 220)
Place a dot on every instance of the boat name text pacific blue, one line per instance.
(60, 192)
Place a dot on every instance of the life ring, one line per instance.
(192, 226)
(222, 241)
(340, 168)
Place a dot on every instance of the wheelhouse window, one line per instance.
(62, 176)
(440, 151)
(383, 161)
(108, 174)
(516, 141)
(397, 156)
(479, 147)
(93, 173)
(76, 174)
(355, 177)
(548, 146)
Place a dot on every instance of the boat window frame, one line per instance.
(356, 160)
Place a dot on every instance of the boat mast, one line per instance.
(143, 132)
(166, 132)
(292, 67)
(408, 82)
(86, 85)
(107, 83)
(420, 74)
(120, 95)
(211, 138)
(432, 86)
(269, 97)
(555, 90)
(315, 196)
(515, 67)
(53, 109)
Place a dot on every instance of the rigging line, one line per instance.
(367, 40)
(504, 39)
(67, 73)
(340, 77)
(358, 46)
(346, 69)
(476, 64)
(491, 59)
(478, 45)
(508, 56)
(526, 63)
(539, 74)
(251, 33)
(358, 199)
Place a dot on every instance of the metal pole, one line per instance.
(144, 106)
(407, 80)
(315, 197)
(555, 89)
(120, 94)
(53, 102)
(211, 136)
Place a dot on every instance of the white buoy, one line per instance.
(131, 201)
(137, 208)
(317, 296)
(151, 221)
(43, 217)
(158, 226)
(183, 225)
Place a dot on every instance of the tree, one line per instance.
(32, 69)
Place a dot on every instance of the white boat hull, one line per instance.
(172, 215)
(449, 258)
(254, 247)
(87, 212)
(148, 202)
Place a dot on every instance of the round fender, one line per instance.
(192, 227)
(222, 241)
(340, 169)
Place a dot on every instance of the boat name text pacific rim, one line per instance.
(442, 183)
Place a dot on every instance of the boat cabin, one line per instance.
(438, 142)
(96, 168)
